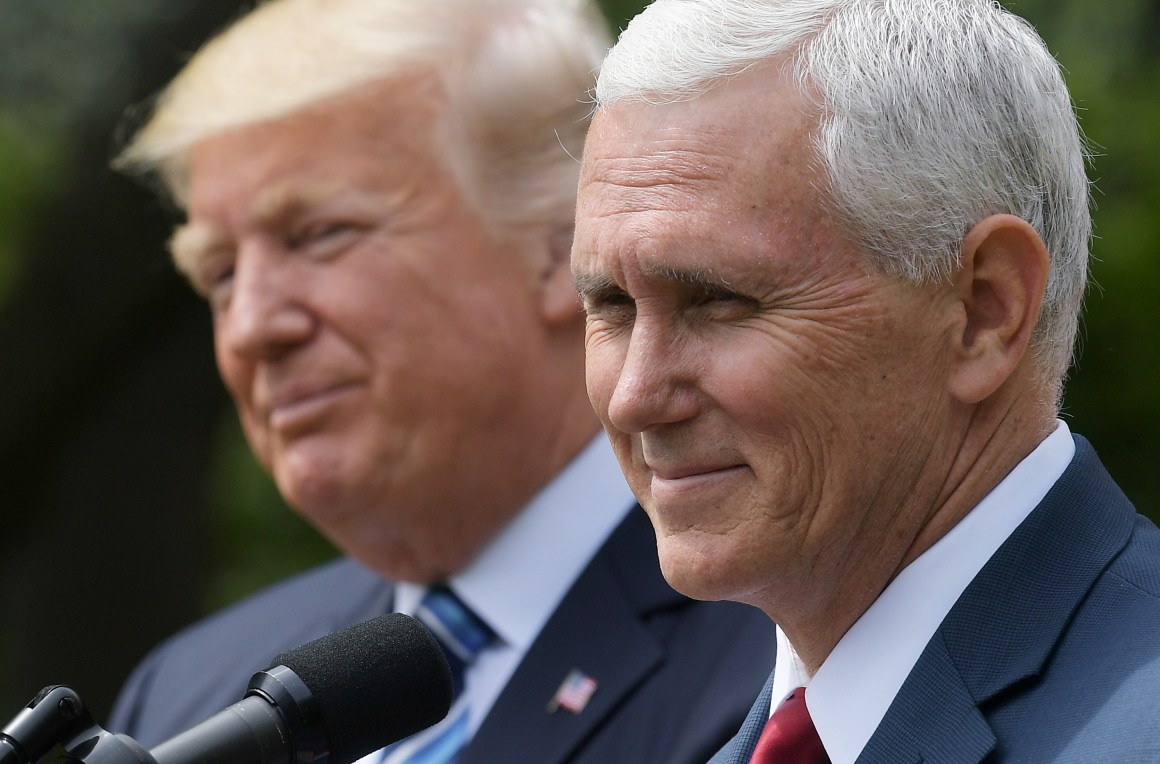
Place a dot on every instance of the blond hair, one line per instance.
(515, 74)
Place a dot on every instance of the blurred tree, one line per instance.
(134, 505)
(111, 403)
(620, 11)
(1112, 63)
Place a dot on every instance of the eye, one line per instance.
(212, 274)
(324, 239)
(722, 304)
(611, 307)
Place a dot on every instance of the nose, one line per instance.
(655, 385)
(267, 313)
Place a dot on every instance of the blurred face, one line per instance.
(773, 402)
(382, 350)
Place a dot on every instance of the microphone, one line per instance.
(330, 701)
(56, 713)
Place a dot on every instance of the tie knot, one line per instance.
(460, 632)
(789, 736)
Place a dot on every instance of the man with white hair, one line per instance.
(833, 254)
(380, 198)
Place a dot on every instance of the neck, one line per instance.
(968, 461)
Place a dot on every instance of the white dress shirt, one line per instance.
(518, 580)
(853, 688)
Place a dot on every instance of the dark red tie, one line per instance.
(789, 736)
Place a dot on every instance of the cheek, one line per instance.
(603, 361)
(235, 380)
(258, 436)
(235, 372)
(798, 369)
(237, 377)
(790, 399)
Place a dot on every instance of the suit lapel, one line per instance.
(598, 630)
(1007, 622)
(933, 719)
(740, 748)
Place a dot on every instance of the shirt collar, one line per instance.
(520, 577)
(851, 692)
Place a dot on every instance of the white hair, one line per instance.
(934, 115)
(516, 75)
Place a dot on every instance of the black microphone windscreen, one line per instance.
(374, 683)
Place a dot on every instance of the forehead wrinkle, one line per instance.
(680, 165)
(662, 183)
(666, 156)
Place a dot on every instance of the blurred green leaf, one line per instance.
(29, 163)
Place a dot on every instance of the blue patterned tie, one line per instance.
(462, 635)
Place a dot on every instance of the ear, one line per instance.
(1000, 284)
(559, 303)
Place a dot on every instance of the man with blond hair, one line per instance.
(833, 254)
(379, 198)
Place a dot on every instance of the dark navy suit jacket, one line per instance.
(1052, 654)
(676, 677)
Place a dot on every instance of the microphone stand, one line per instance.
(58, 716)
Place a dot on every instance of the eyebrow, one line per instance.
(192, 243)
(289, 197)
(596, 286)
(702, 278)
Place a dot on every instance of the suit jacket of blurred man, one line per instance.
(1052, 654)
(674, 675)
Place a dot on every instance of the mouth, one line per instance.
(671, 480)
(684, 471)
(294, 410)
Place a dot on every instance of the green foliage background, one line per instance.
(67, 74)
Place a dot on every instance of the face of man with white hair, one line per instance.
(406, 375)
(787, 416)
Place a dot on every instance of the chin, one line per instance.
(320, 470)
(319, 497)
(393, 561)
(695, 570)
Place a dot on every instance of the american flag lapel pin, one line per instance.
(574, 693)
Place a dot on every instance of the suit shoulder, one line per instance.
(206, 666)
(1138, 565)
(290, 607)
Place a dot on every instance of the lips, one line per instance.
(298, 406)
(680, 472)
(689, 481)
